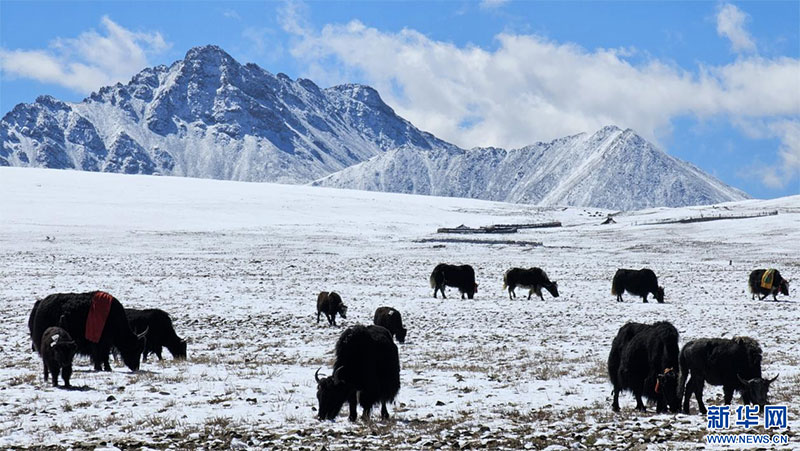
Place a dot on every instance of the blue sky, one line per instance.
(713, 83)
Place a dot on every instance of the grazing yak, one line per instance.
(644, 360)
(160, 332)
(762, 286)
(57, 350)
(639, 282)
(366, 371)
(96, 321)
(390, 319)
(533, 279)
(330, 304)
(733, 363)
(461, 277)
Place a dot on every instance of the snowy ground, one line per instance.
(239, 266)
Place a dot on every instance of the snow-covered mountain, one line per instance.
(612, 168)
(209, 116)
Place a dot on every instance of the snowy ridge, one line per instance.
(209, 116)
(612, 168)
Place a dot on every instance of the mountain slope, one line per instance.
(209, 116)
(611, 168)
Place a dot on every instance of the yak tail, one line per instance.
(505, 281)
(684, 373)
(433, 279)
(613, 290)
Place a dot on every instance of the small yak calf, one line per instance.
(57, 350)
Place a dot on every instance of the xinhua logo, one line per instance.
(722, 417)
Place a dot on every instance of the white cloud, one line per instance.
(87, 62)
(531, 88)
(730, 24)
(488, 4)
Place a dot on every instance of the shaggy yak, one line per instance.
(534, 279)
(330, 304)
(733, 363)
(96, 321)
(639, 282)
(57, 349)
(160, 332)
(644, 360)
(366, 371)
(757, 288)
(390, 319)
(462, 277)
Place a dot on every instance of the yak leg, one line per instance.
(66, 372)
(619, 297)
(698, 393)
(761, 298)
(639, 404)
(510, 291)
(353, 400)
(615, 403)
(318, 312)
(158, 350)
(46, 373)
(687, 395)
(384, 411)
(54, 371)
(644, 298)
(728, 391)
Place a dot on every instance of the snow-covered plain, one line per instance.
(239, 265)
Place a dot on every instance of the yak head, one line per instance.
(660, 294)
(471, 292)
(553, 288)
(667, 387)
(754, 391)
(179, 351)
(132, 354)
(401, 335)
(784, 287)
(332, 392)
(64, 351)
(343, 311)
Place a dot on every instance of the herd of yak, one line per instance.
(644, 358)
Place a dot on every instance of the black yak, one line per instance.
(93, 336)
(330, 304)
(644, 360)
(461, 277)
(57, 350)
(160, 332)
(366, 371)
(639, 282)
(733, 363)
(758, 288)
(534, 279)
(392, 320)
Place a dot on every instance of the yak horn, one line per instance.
(773, 379)
(316, 375)
(336, 378)
(143, 334)
(738, 376)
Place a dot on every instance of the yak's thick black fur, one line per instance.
(160, 332)
(779, 285)
(644, 360)
(534, 279)
(70, 310)
(459, 276)
(639, 282)
(733, 363)
(330, 304)
(366, 371)
(392, 320)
